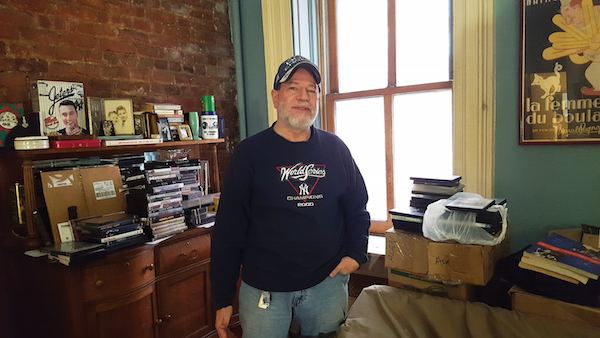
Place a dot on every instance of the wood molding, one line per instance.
(474, 99)
(277, 31)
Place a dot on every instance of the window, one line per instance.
(390, 92)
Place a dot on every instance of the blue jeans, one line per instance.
(320, 309)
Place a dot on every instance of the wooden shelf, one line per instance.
(39, 154)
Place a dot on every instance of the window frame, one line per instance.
(473, 88)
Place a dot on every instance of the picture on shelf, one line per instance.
(107, 128)
(184, 132)
(61, 107)
(95, 115)
(163, 127)
(10, 115)
(120, 112)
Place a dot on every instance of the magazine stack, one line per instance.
(114, 231)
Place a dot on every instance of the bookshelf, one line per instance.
(12, 160)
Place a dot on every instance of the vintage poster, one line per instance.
(560, 72)
(61, 107)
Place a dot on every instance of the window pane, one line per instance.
(422, 139)
(423, 41)
(362, 44)
(360, 124)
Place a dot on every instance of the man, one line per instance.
(292, 215)
(120, 123)
(69, 116)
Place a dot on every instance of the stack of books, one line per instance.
(172, 112)
(114, 231)
(74, 253)
(562, 258)
(426, 190)
(155, 195)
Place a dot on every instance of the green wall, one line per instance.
(546, 186)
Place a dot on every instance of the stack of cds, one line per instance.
(115, 231)
(155, 195)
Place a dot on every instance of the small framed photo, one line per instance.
(120, 112)
(163, 128)
(185, 133)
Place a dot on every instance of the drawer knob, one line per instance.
(160, 320)
(150, 267)
(195, 252)
(99, 283)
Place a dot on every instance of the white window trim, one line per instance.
(474, 94)
(473, 85)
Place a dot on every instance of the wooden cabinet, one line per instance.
(153, 290)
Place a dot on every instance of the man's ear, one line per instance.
(275, 97)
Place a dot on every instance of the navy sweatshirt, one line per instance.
(288, 213)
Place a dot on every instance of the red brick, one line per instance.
(177, 32)
(103, 17)
(67, 52)
(8, 65)
(20, 50)
(9, 33)
(130, 61)
(44, 51)
(79, 40)
(186, 79)
(128, 34)
(161, 64)
(103, 85)
(141, 24)
(32, 65)
(135, 11)
(91, 56)
(60, 23)
(13, 80)
(163, 77)
(133, 87)
(40, 36)
(95, 29)
(163, 41)
(77, 12)
(46, 21)
(145, 64)
(10, 17)
(160, 16)
(87, 70)
(118, 46)
(39, 6)
(150, 51)
(97, 4)
(175, 66)
(61, 68)
(115, 72)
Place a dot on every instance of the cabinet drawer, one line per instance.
(114, 277)
(183, 253)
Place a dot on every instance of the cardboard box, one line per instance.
(409, 281)
(441, 261)
(94, 191)
(406, 251)
(577, 234)
(523, 301)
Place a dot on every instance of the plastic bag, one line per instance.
(440, 224)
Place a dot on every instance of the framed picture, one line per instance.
(163, 128)
(61, 107)
(185, 133)
(120, 112)
(95, 115)
(560, 72)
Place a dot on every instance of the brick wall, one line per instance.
(147, 50)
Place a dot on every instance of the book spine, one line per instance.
(110, 143)
(567, 252)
